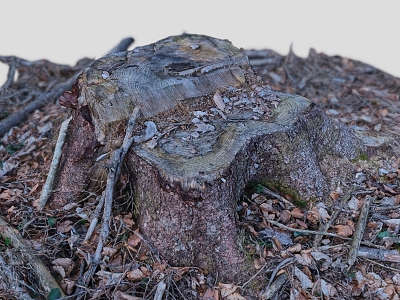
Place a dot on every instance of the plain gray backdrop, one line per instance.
(65, 31)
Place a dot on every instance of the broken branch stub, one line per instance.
(217, 128)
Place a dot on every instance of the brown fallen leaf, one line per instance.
(211, 294)
(297, 213)
(128, 221)
(334, 195)
(123, 296)
(64, 227)
(235, 296)
(135, 275)
(294, 249)
(226, 289)
(343, 230)
(134, 239)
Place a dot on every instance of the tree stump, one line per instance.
(208, 127)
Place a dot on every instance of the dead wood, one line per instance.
(116, 162)
(43, 99)
(228, 129)
(48, 187)
(359, 231)
(26, 254)
(379, 254)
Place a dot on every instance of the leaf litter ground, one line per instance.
(302, 252)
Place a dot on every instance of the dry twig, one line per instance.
(116, 162)
(48, 186)
(43, 99)
(43, 275)
(359, 231)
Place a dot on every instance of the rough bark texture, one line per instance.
(220, 128)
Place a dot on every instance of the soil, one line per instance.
(279, 238)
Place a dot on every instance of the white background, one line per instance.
(65, 31)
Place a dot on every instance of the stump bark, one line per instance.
(209, 127)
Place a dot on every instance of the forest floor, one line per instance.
(285, 242)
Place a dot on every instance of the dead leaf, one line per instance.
(109, 251)
(219, 102)
(301, 223)
(135, 275)
(259, 262)
(334, 195)
(390, 190)
(235, 296)
(11, 209)
(123, 296)
(350, 223)
(343, 230)
(327, 289)
(210, 294)
(63, 262)
(303, 278)
(297, 213)
(128, 221)
(146, 271)
(64, 227)
(294, 249)
(226, 289)
(134, 239)
(285, 216)
(60, 270)
(67, 286)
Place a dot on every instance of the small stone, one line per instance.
(195, 134)
(105, 74)
(195, 120)
(194, 46)
(199, 113)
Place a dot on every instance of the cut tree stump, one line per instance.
(208, 128)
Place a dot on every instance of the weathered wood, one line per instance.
(220, 128)
(15, 119)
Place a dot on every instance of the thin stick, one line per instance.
(366, 243)
(282, 264)
(325, 227)
(254, 276)
(277, 196)
(23, 252)
(307, 231)
(95, 218)
(15, 119)
(48, 186)
(382, 265)
(117, 159)
(359, 231)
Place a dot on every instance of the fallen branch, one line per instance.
(15, 119)
(48, 186)
(43, 275)
(116, 162)
(379, 254)
(359, 231)
(322, 233)
(282, 264)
